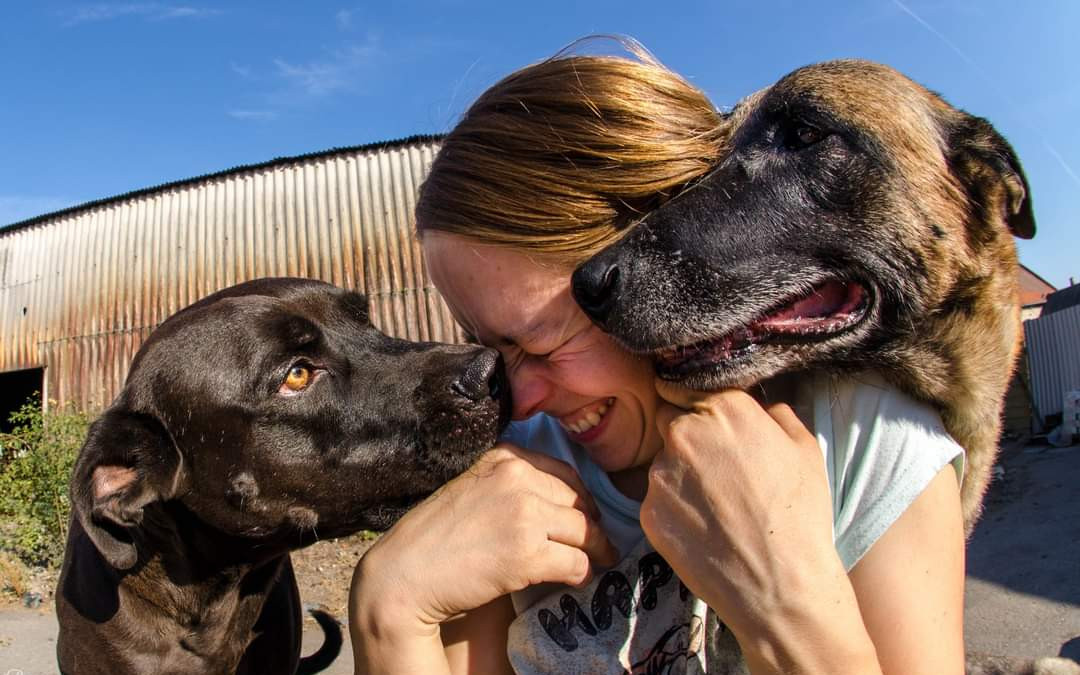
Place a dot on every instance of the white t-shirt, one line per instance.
(881, 450)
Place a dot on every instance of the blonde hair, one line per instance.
(558, 157)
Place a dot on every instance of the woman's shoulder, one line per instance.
(866, 403)
(864, 424)
(882, 448)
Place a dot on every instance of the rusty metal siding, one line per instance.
(1053, 348)
(96, 281)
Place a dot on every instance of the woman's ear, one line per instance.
(987, 166)
(128, 461)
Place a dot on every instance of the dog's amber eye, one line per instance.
(808, 135)
(298, 379)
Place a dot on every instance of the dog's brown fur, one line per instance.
(936, 189)
(965, 352)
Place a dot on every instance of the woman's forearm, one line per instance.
(514, 518)
(818, 632)
(386, 637)
(749, 481)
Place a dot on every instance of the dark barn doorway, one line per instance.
(16, 387)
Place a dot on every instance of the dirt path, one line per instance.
(28, 644)
(323, 572)
(1023, 566)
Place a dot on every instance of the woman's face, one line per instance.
(558, 362)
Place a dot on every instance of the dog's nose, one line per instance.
(594, 286)
(482, 378)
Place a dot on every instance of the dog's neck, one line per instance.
(196, 583)
(211, 621)
(175, 608)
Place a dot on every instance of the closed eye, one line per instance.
(569, 345)
(544, 355)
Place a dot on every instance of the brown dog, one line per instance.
(857, 222)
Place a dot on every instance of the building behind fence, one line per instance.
(82, 288)
(1053, 347)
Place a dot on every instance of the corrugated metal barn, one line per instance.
(82, 288)
(1053, 342)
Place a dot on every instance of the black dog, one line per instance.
(252, 423)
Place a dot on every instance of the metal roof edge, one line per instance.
(1039, 277)
(282, 161)
(1061, 299)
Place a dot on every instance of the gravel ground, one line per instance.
(1022, 599)
(1023, 563)
(323, 572)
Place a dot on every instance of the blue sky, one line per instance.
(97, 99)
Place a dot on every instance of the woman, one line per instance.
(594, 540)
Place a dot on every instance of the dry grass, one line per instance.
(14, 576)
(324, 570)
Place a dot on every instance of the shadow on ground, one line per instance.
(1023, 565)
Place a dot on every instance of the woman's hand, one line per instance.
(514, 519)
(739, 505)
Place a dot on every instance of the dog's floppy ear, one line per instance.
(128, 461)
(986, 164)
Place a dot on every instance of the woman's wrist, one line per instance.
(838, 647)
(815, 627)
(388, 633)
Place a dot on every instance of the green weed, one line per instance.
(36, 459)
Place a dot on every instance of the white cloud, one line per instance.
(343, 18)
(242, 71)
(253, 115)
(289, 83)
(150, 11)
(186, 12)
(15, 208)
(343, 69)
(315, 78)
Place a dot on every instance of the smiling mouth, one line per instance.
(584, 422)
(830, 309)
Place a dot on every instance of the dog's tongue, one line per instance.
(830, 307)
(830, 301)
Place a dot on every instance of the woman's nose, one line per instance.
(529, 389)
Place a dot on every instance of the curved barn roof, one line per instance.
(368, 147)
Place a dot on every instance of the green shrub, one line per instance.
(36, 459)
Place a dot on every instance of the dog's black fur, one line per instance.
(258, 420)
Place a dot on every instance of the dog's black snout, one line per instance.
(595, 287)
(482, 378)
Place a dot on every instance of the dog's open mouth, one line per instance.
(831, 308)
